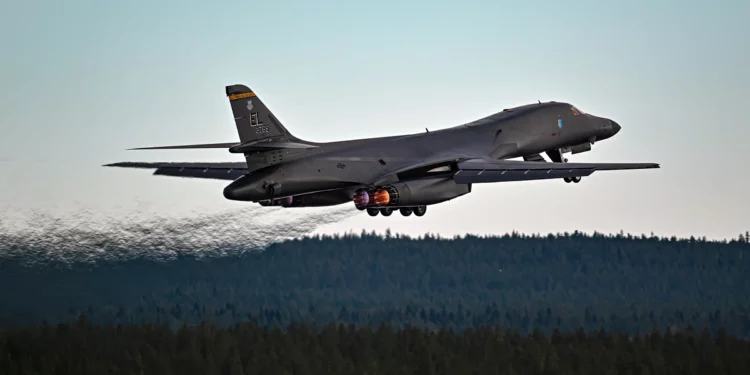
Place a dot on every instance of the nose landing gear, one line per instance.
(557, 157)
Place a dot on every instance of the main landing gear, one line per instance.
(405, 211)
(384, 201)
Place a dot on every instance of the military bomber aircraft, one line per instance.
(404, 172)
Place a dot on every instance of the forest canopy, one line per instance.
(569, 281)
(247, 348)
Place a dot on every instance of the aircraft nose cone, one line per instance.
(615, 128)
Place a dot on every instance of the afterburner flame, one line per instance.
(382, 197)
(361, 199)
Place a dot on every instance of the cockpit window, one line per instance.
(576, 111)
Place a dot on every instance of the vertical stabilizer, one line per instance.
(253, 119)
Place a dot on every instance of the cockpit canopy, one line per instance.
(576, 111)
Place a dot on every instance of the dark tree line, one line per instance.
(83, 348)
(617, 283)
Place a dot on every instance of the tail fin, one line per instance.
(253, 119)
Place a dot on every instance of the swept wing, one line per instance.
(474, 171)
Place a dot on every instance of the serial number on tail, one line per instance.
(255, 123)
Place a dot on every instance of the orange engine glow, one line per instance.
(382, 197)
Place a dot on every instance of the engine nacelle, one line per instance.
(583, 147)
(419, 192)
(284, 202)
(327, 198)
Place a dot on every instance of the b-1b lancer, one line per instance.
(404, 172)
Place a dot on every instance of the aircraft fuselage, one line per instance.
(520, 132)
(405, 172)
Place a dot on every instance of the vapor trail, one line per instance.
(77, 238)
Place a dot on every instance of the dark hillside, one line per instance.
(567, 281)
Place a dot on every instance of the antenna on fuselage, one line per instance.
(540, 102)
(427, 130)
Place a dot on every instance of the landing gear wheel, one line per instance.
(405, 211)
(386, 211)
(420, 210)
(576, 179)
(567, 180)
(373, 211)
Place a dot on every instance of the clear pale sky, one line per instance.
(81, 81)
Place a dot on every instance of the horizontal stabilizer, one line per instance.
(237, 148)
(256, 146)
(215, 171)
(179, 147)
(484, 170)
